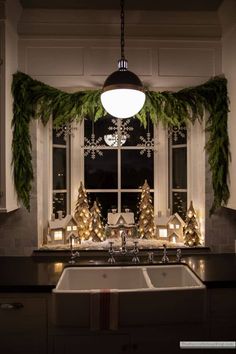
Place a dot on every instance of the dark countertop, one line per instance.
(40, 274)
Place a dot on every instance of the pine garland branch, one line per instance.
(36, 100)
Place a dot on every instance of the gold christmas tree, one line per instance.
(83, 215)
(191, 230)
(146, 226)
(98, 231)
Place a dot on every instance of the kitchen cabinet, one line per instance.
(222, 314)
(23, 324)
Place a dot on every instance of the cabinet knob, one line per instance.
(11, 306)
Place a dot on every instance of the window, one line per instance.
(115, 171)
(113, 157)
(58, 235)
(178, 170)
(60, 166)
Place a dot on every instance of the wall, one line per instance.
(72, 49)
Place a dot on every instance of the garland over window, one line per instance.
(36, 100)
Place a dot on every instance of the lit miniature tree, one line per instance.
(83, 215)
(146, 225)
(191, 230)
(98, 231)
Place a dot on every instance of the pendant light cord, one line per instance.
(122, 29)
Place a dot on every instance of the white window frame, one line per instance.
(195, 172)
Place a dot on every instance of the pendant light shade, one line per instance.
(123, 93)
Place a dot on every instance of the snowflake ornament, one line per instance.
(92, 146)
(148, 145)
(121, 128)
(66, 130)
(176, 132)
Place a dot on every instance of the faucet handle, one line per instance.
(135, 258)
(111, 251)
(73, 256)
(150, 257)
(165, 259)
(178, 255)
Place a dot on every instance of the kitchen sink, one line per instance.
(84, 279)
(135, 295)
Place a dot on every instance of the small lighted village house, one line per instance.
(121, 221)
(60, 229)
(170, 228)
(162, 227)
(175, 228)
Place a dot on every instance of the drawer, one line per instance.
(19, 314)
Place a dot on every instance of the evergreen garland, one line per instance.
(36, 100)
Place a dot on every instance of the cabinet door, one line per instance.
(90, 344)
(23, 325)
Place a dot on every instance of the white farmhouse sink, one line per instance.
(173, 276)
(137, 295)
(99, 278)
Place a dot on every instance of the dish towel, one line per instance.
(104, 309)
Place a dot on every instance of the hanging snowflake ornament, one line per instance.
(66, 130)
(92, 146)
(174, 132)
(121, 130)
(148, 145)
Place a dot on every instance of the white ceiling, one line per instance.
(159, 5)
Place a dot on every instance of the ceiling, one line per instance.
(158, 5)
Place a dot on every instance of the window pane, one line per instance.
(107, 202)
(59, 203)
(58, 140)
(135, 168)
(179, 172)
(130, 201)
(101, 173)
(59, 168)
(180, 203)
(101, 127)
(137, 132)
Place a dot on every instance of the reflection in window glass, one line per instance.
(135, 168)
(59, 168)
(180, 203)
(179, 168)
(59, 203)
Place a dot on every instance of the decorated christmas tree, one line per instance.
(191, 230)
(146, 226)
(83, 215)
(98, 231)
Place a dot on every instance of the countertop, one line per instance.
(41, 273)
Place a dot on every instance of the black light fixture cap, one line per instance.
(123, 79)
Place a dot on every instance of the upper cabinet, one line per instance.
(9, 13)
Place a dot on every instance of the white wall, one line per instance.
(228, 18)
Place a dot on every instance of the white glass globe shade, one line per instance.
(123, 103)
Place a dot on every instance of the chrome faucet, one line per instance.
(123, 250)
(135, 252)
(73, 254)
(111, 251)
(165, 259)
(150, 257)
(123, 242)
(178, 255)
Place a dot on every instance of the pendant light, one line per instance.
(123, 93)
